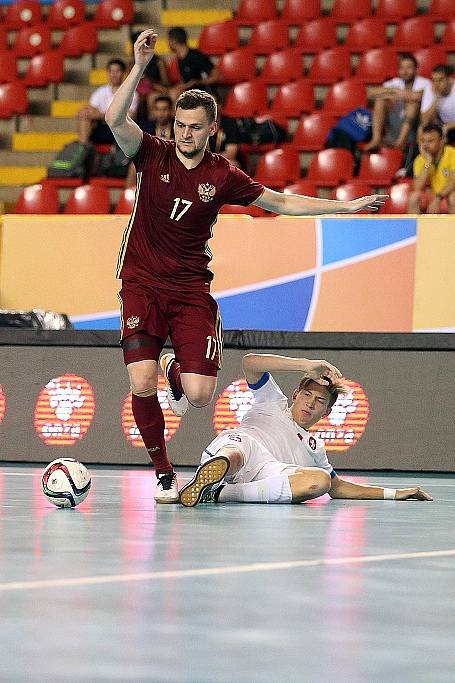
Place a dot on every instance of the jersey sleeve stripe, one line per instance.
(126, 234)
(264, 379)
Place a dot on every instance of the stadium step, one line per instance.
(47, 124)
(65, 109)
(10, 158)
(41, 142)
(194, 17)
(21, 175)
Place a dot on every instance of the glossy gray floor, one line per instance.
(121, 590)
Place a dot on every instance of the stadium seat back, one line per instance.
(79, 40)
(216, 39)
(312, 131)
(32, 40)
(3, 38)
(398, 200)
(441, 10)
(88, 199)
(347, 11)
(246, 100)
(394, 11)
(366, 34)
(302, 186)
(250, 12)
(44, 69)
(414, 33)
(23, 13)
(278, 167)
(448, 38)
(316, 35)
(329, 66)
(13, 99)
(38, 199)
(377, 65)
(8, 67)
(237, 66)
(293, 99)
(428, 58)
(65, 13)
(114, 13)
(345, 96)
(282, 67)
(296, 12)
(330, 167)
(126, 201)
(351, 190)
(268, 36)
(379, 169)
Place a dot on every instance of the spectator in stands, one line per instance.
(438, 103)
(396, 107)
(435, 166)
(227, 137)
(92, 127)
(196, 68)
(161, 124)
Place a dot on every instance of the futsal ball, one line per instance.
(66, 482)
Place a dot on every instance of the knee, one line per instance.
(199, 397)
(310, 484)
(143, 385)
(451, 202)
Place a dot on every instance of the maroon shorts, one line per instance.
(191, 319)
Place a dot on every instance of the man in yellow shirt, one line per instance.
(435, 166)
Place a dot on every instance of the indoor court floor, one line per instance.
(123, 590)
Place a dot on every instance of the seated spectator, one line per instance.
(196, 68)
(227, 137)
(438, 103)
(92, 127)
(435, 166)
(396, 107)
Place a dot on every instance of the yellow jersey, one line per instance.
(439, 173)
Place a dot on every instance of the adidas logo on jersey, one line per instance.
(165, 178)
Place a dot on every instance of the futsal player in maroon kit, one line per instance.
(164, 256)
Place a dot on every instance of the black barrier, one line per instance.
(66, 393)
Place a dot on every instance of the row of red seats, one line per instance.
(268, 36)
(92, 199)
(34, 40)
(344, 11)
(65, 13)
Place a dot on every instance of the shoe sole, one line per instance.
(167, 501)
(211, 472)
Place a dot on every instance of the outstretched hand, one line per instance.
(415, 493)
(322, 372)
(372, 202)
(144, 47)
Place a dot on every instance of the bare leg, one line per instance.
(451, 202)
(414, 205)
(379, 112)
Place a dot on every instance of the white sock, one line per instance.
(272, 490)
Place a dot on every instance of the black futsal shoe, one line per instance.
(177, 399)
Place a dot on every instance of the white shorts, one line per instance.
(259, 463)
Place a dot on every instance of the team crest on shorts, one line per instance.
(206, 192)
(312, 443)
(132, 322)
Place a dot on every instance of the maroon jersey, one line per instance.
(166, 241)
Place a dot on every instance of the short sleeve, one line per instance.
(240, 189)
(204, 62)
(427, 99)
(97, 98)
(419, 163)
(266, 390)
(150, 147)
(392, 83)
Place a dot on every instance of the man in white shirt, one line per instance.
(92, 127)
(438, 103)
(272, 457)
(396, 106)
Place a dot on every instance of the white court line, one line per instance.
(217, 571)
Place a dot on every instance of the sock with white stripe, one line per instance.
(271, 490)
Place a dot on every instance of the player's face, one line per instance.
(310, 404)
(407, 70)
(192, 130)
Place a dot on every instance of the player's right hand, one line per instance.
(322, 372)
(144, 47)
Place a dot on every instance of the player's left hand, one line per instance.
(322, 372)
(372, 202)
(415, 493)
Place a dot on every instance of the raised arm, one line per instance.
(301, 205)
(255, 364)
(126, 132)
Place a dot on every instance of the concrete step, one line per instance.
(73, 91)
(42, 142)
(194, 17)
(47, 124)
(10, 158)
(21, 175)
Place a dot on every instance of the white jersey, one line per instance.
(270, 422)
(420, 84)
(102, 97)
(445, 109)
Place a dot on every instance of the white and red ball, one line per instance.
(66, 482)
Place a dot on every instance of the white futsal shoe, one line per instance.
(166, 489)
(177, 400)
(203, 486)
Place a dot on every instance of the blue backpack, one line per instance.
(357, 124)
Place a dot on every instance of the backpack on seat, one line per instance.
(73, 161)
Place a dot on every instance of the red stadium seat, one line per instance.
(352, 190)
(414, 33)
(448, 38)
(282, 67)
(173, 71)
(33, 40)
(429, 57)
(347, 11)
(246, 99)
(302, 186)
(88, 199)
(293, 99)
(366, 34)
(114, 13)
(45, 69)
(296, 12)
(278, 167)
(79, 40)
(268, 36)
(315, 36)
(311, 133)
(441, 10)
(237, 66)
(377, 65)
(216, 39)
(8, 67)
(3, 39)
(331, 167)
(394, 11)
(126, 201)
(345, 96)
(250, 210)
(250, 12)
(38, 199)
(330, 66)
(13, 99)
(23, 13)
(379, 169)
(65, 13)
(106, 181)
(398, 200)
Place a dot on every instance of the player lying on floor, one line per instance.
(272, 457)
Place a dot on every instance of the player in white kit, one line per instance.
(272, 457)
